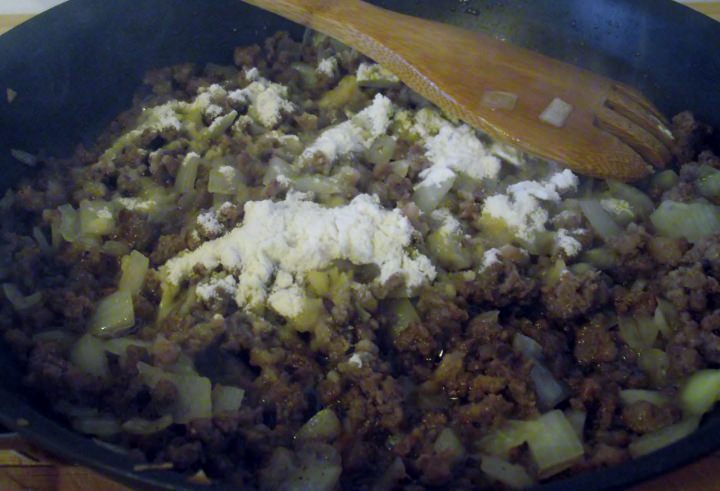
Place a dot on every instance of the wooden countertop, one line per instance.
(23, 468)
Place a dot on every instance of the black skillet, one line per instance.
(75, 67)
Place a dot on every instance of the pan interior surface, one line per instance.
(76, 67)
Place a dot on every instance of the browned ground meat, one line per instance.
(464, 361)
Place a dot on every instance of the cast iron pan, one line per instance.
(75, 67)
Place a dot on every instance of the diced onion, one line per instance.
(187, 174)
(549, 391)
(553, 443)
(96, 218)
(18, 300)
(194, 399)
(599, 219)
(577, 420)
(502, 440)
(323, 426)
(223, 179)
(639, 201)
(114, 315)
(495, 99)
(700, 392)
(527, 347)
(134, 268)
(631, 396)
(226, 399)
(650, 442)
(69, 224)
(430, 192)
(41, 240)
(24, 157)
(640, 333)
(88, 354)
(692, 221)
(557, 113)
(140, 426)
(511, 475)
(449, 445)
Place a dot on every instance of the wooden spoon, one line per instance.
(613, 131)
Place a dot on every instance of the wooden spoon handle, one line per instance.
(462, 64)
(352, 22)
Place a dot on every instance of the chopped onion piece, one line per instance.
(692, 221)
(553, 443)
(495, 99)
(527, 346)
(226, 399)
(194, 399)
(549, 391)
(134, 268)
(556, 113)
(577, 420)
(599, 219)
(24, 157)
(323, 426)
(88, 354)
(114, 315)
(141, 426)
(700, 392)
(511, 475)
(631, 396)
(650, 442)
(16, 298)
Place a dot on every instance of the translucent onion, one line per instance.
(24, 157)
(557, 113)
(650, 442)
(88, 354)
(692, 221)
(323, 426)
(511, 475)
(41, 240)
(114, 315)
(449, 445)
(554, 445)
(382, 150)
(134, 268)
(19, 301)
(226, 399)
(194, 399)
(69, 224)
(655, 363)
(429, 195)
(631, 396)
(527, 346)
(549, 391)
(96, 218)
(700, 392)
(502, 440)
(639, 334)
(577, 420)
(599, 219)
(187, 174)
(141, 426)
(495, 99)
(641, 203)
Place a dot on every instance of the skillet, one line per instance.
(75, 67)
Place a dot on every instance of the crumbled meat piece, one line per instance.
(645, 417)
(576, 295)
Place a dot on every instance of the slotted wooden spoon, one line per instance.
(613, 131)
